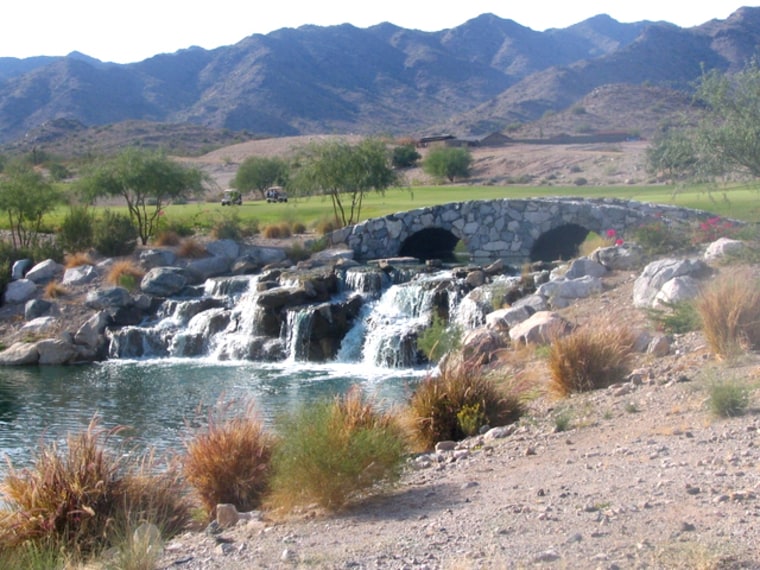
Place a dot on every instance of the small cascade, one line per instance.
(388, 329)
(297, 333)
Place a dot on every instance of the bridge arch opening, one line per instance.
(430, 243)
(562, 242)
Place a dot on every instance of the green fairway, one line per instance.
(740, 202)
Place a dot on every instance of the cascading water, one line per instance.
(386, 334)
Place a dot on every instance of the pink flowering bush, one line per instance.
(712, 229)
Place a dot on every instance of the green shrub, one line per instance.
(728, 399)
(458, 402)
(77, 230)
(333, 452)
(438, 339)
(658, 238)
(730, 312)
(677, 318)
(590, 357)
(580, 181)
(228, 461)
(115, 234)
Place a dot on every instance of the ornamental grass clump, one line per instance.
(729, 309)
(728, 398)
(77, 500)
(333, 452)
(591, 357)
(459, 401)
(125, 273)
(228, 461)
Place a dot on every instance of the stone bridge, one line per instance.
(540, 229)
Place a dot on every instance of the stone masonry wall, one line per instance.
(506, 229)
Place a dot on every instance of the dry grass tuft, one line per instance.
(277, 231)
(125, 273)
(78, 259)
(229, 461)
(591, 357)
(54, 290)
(72, 499)
(730, 312)
(191, 249)
(458, 402)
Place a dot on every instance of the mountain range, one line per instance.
(488, 74)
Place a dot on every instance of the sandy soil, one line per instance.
(643, 477)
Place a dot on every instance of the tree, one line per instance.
(147, 181)
(448, 162)
(26, 196)
(726, 142)
(405, 156)
(345, 173)
(259, 173)
(730, 132)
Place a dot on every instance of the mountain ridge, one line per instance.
(488, 73)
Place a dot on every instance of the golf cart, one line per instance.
(276, 194)
(232, 198)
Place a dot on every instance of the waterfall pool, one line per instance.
(158, 400)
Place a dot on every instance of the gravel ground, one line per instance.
(643, 477)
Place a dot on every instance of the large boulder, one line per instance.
(226, 248)
(722, 248)
(655, 275)
(55, 351)
(44, 271)
(36, 308)
(80, 275)
(41, 326)
(561, 293)
(110, 297)
(19, 269)
(164, 281)
(19, 291)
(91, 333)
(505, 319)
(622, 257)
(541, 328)
(151, 258)
(199, 270)
(19, 354)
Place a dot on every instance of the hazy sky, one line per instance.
(131, 31)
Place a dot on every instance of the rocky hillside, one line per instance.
(492, 72)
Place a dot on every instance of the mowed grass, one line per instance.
(740, 202)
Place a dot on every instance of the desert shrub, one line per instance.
(730, 312)
(115, 234)
(325, 226)
(590, 357)
(580, 181)
(78, 259)
(676, 318)
(657, 238)
(77, 230)
(228, 461)
(298, 228)
(71, 499)
(458, 402)
(55, 290)
(333, 452)
(727, 398)
(438, 339)
(125, 273)
(297, 252)
(227, 227)
(277, 231)
(192, 249)
(167, 238)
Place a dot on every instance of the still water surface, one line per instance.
(158, 399)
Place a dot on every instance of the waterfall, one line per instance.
(387, 332)
(297, 333)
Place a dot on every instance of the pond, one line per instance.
(158, 400)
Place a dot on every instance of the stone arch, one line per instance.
(561, 242)
(430, 243)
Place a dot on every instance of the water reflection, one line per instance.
(156, 399)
